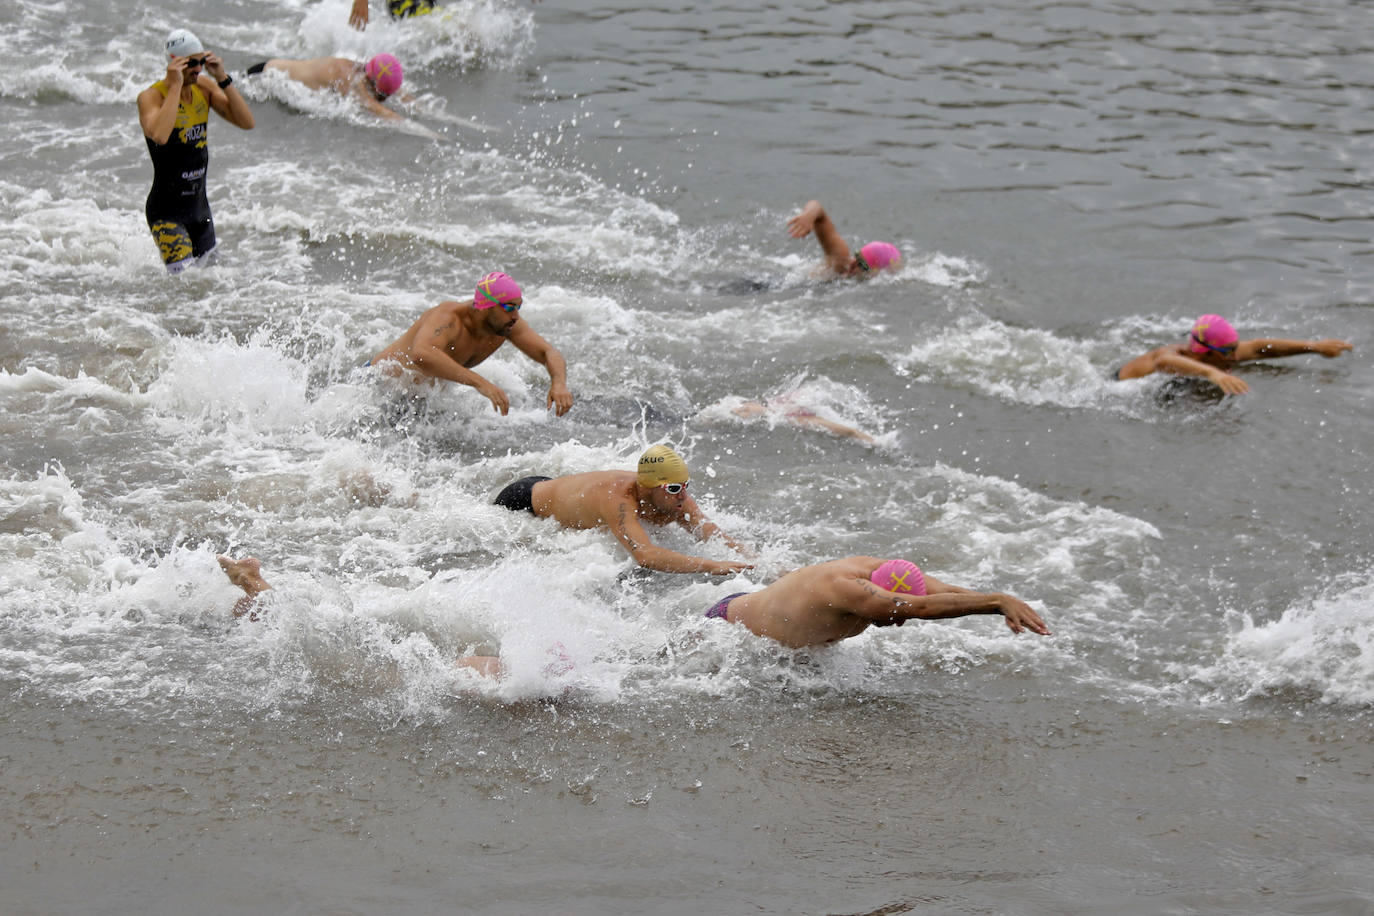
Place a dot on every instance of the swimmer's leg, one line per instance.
(203, 241)
(173, 245)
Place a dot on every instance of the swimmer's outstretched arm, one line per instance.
(944, 603)
(626, 528)
(830, 426)
(1275, 347)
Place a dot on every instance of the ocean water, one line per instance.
(1071, 185)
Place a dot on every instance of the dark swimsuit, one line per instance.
(722, 607)
(519, 495)
(177, 209)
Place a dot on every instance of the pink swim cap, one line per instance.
(496, 289)
(385, 72)
(899, 576)
(877, 255)
(1211, 332)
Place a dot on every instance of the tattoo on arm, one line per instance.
(622, 525)
(442, 330)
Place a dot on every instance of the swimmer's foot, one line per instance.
(246, 574)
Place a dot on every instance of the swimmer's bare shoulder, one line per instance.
(586, 500)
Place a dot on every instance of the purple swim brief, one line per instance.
(720, 608)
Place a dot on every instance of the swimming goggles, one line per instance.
(859, 256)
(1224, 351)
(673, 489)
(509, 307)
(196, 61)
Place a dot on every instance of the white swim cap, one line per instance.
(181, 43)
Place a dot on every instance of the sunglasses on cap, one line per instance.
(673, 489)
(1224, 351)
(196, 61)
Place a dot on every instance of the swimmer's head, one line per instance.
(1213, 334)
(496, 289)
(181, 43)
(661, 465)
(876, 256)
(899, 576)
(385, 73)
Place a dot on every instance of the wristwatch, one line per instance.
(224, 83)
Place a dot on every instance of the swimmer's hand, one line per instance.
(499, 402)
(176, 74)
(741, 549)
(800, 226)
(358, 16)
(419, 130)
(727, 567)
(214, 66)
(560, 399)
(1331, 347)
(1020, 616)
(1229, 383)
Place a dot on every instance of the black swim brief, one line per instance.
(722, 607)
(519, 495)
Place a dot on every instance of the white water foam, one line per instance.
(1321, 647)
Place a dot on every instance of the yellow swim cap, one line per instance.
(659, 465)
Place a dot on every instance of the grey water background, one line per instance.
(1072, 185)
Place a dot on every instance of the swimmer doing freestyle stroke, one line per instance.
(370, 84)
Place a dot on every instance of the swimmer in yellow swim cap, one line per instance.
(621, 502)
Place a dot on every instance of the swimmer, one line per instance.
(370, 84)
(621, 502)
(247, 575)
(828, 602)
(174, 113)
(1213, 347)
(447, 341)
(839, 262)
(801, 416)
